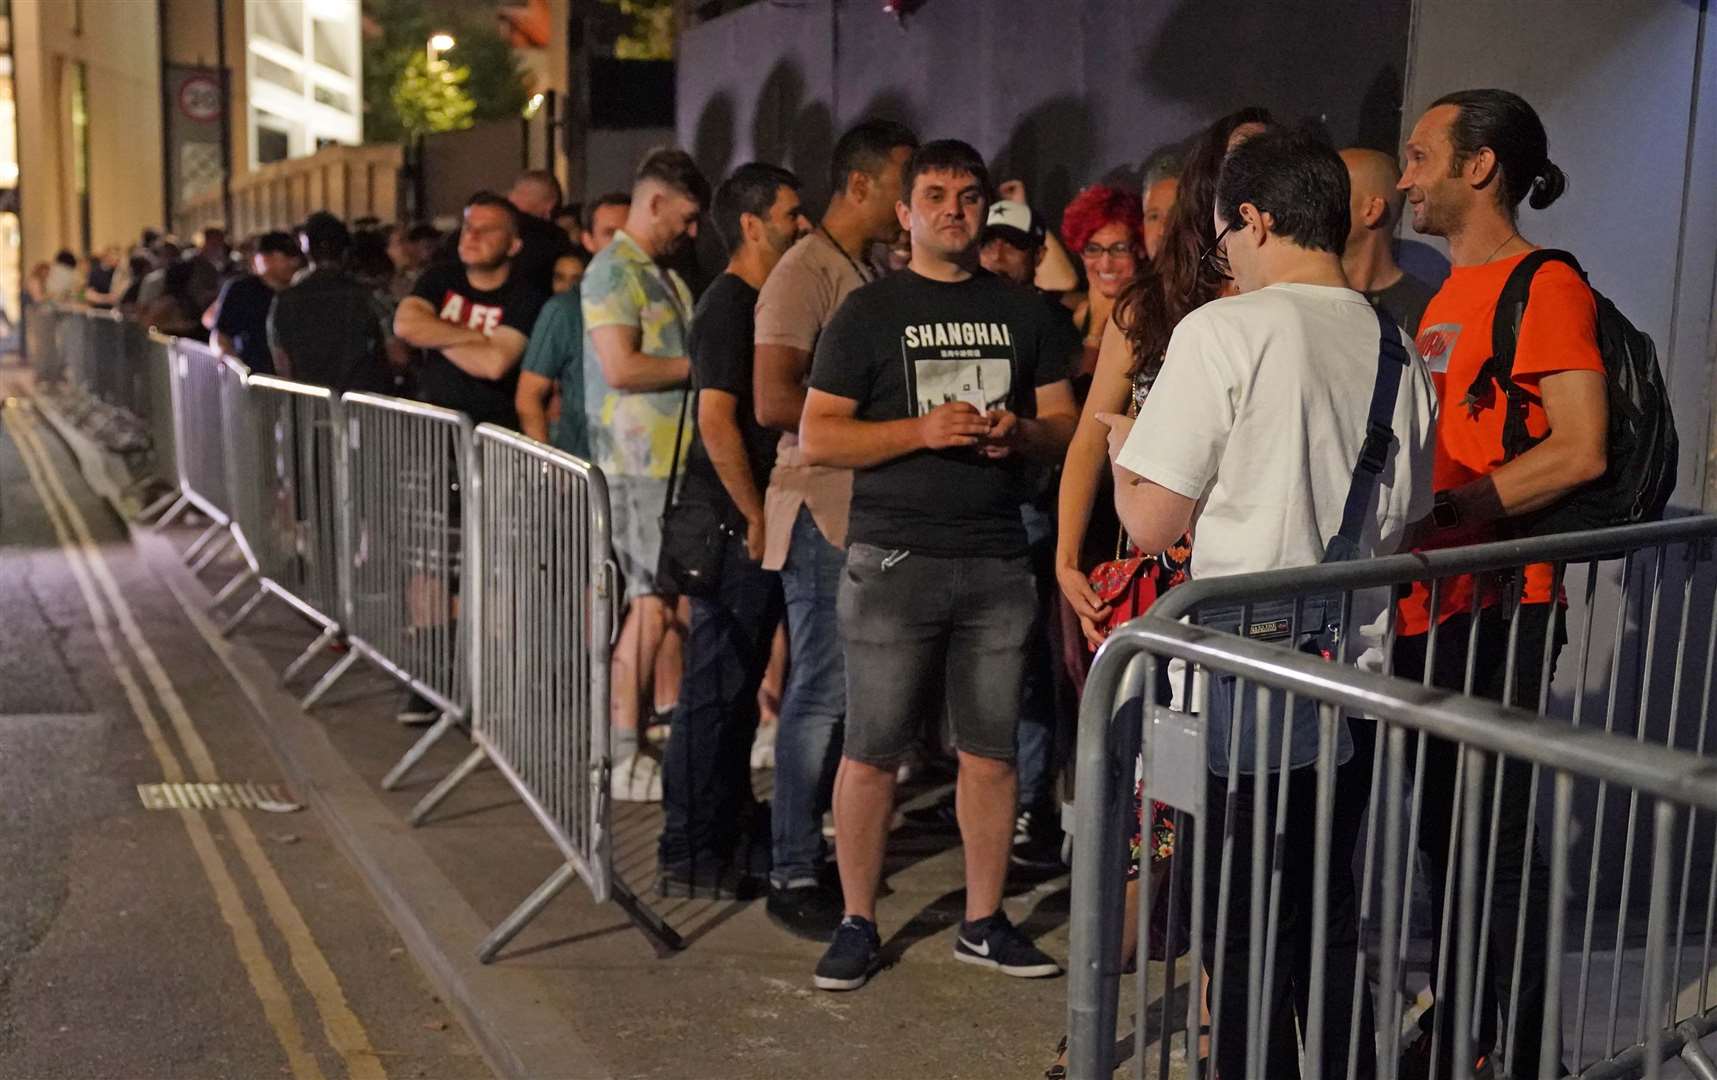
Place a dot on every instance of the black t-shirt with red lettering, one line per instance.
(440, 381)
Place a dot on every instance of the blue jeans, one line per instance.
(1038, 715)
(808, 741)
(706, 769)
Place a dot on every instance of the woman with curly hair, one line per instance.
(1180, 279)
(1104, 227)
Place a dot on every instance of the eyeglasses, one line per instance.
(1217, 255)
(1114, 251)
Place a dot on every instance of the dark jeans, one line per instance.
(1437, 820)
(706, 770)
(1290, 985)
(1040, 707)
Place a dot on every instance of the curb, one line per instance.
(502, 1009)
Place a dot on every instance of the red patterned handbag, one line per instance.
(1130, 586)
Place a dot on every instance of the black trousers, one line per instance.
(1290, 984)
(706, 769)
(1512, 887)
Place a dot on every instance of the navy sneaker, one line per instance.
(852, 957)
(996, 943)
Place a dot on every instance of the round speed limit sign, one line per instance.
(200, 98)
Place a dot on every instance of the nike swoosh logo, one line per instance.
(981, 950)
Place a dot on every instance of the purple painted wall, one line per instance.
(1057, 93)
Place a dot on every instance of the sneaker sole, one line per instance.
(1036, 971)
(825, 982)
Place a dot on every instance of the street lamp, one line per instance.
(439, 43)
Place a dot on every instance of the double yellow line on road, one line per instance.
(109, 611)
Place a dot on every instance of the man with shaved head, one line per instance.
(536, 196)
(1369, 259)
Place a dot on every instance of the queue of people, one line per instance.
(894, 433)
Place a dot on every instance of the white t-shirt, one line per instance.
(1259, 413)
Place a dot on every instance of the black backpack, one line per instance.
(1642, 447)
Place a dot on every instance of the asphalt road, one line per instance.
(163, 943)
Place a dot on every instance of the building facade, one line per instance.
(123, 113)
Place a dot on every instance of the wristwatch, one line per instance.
(1445, 514)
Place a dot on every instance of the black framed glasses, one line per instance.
(1216, 255)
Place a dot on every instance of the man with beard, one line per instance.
(805, 509)
(706, 783)
(637, 313)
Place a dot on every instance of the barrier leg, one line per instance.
(328, 680)
(215, 529)
(418, 749)
(323, 640)
(652, 924)
(180, 505)
(1693, 1055)
(445, 788)
(172, 502)
(244, 612)
(213, 552)
(532, 907)
(231, 588)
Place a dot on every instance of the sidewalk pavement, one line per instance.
(581, 992)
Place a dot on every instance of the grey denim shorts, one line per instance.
(927, 633)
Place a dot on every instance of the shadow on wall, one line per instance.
(1176, 65)
(1051, 148)
(712, 140)
(788, 130)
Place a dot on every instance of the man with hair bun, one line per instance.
(1470, 161)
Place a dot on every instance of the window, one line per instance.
(272, 144)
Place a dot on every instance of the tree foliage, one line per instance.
(651, 33)
(429, 97)
(478, 79)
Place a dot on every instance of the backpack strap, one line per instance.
(1379, 434)
(1498, 370)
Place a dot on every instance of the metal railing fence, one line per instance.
(405, 550)
(543, 606)
(286, 486)
(42, 345)
(200, 442)
(1319, 955)
(1639, 670)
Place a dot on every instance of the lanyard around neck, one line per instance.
(864, 277)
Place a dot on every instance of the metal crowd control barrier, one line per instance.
(542, 602)
(200, 442)
(1626, 836)
(286, 502)
(42, 341)
(408, 469)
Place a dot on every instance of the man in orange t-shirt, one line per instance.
(1470, 161)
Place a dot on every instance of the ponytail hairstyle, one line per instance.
(1179, 279)
(1504, 122)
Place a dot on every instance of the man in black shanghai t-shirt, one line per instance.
(706, 769)
(937, 385)
(471, 319)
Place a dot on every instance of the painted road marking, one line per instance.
(342, 1027)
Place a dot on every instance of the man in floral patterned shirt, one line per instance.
(636, 316)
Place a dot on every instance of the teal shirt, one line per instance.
(556, 352)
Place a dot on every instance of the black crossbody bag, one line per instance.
(695, 534)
